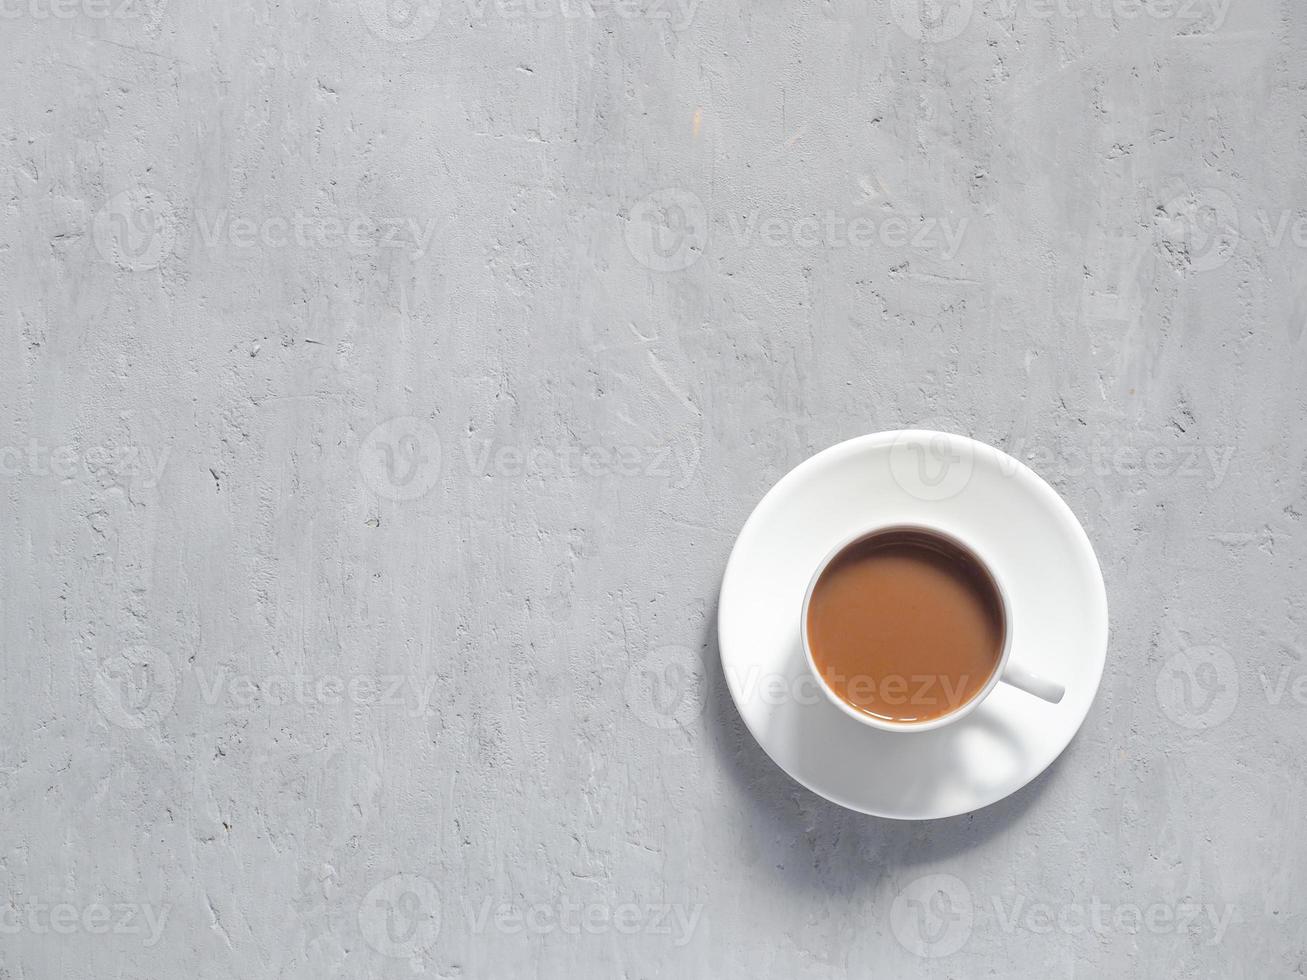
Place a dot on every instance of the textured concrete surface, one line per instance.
(382, 392)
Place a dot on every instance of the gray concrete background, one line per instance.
(382, 396)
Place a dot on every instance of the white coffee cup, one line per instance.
(1005, 670)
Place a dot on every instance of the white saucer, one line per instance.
(984, 496)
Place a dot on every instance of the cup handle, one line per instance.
(1032, 683)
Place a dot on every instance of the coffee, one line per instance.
(905, 626)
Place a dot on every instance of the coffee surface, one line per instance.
(905, 626)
